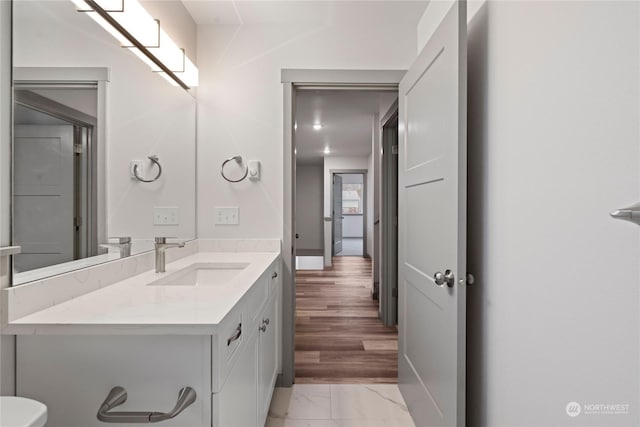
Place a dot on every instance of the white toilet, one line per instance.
(21, 412)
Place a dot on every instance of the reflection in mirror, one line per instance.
(85, 111)
(54, 209)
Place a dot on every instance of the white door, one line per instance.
(337, 214)
(432, 227)
(43, 210)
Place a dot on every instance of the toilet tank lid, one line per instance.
(21, 412)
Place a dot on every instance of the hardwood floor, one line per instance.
(339, 338)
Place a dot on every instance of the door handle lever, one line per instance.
(631, 214)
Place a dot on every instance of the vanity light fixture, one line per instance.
(317, 126)
(134, 28)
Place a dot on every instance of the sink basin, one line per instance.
(204, 274)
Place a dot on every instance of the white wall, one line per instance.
(554, 94)
(240, 99)
(309, 199)
(145, 115)
(435, 12)
(7, 342)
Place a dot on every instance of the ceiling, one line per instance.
(237, 12)
(346, 117)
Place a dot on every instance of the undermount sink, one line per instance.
(204, 274)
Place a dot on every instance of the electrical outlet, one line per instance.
(227, 216)
(166, 215)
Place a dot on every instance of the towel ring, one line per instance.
(238, 160)
(153, 159)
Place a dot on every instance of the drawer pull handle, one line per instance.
(235, 335)
(118, 395)
(274, 275)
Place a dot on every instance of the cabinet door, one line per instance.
(236, 404)
(72, 375)
(268, 356)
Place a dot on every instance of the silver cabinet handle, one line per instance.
(235, 335)
(118, 395)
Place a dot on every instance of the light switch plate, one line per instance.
(166, 215)
(227, 215)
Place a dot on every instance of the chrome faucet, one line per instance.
(161, 246)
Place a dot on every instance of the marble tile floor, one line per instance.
(339, 405)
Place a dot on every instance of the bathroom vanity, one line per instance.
(211, 322)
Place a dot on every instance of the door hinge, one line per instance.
(394, 292)
(394, 149)
(77, 148)
(77, 221)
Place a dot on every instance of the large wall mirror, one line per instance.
(86, 110)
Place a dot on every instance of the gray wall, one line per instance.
(554, 147)
(7, 342)
(309, 194)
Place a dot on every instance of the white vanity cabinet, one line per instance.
(233, 371)
(244, 399)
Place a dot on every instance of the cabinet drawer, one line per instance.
(73, 375)
(227, 345)
(235, 404)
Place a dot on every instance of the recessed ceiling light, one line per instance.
(327, 150)
(317, 126)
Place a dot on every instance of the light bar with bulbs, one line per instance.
(134, 28)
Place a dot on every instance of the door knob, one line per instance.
(448, 277)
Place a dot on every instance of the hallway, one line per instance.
(339, 338)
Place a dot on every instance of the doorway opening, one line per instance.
(339, 335)
(349, 213)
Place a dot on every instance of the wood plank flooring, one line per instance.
(339, 338)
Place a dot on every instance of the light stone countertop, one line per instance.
(130, 307)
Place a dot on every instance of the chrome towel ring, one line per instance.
(154, 159)
(238, 160)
